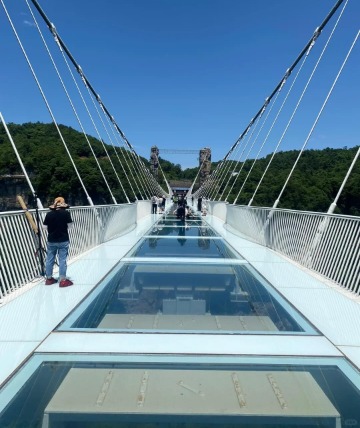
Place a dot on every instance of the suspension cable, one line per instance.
(294, 64)
(210, 186)
(289, 71)
(38, 202)
(228, 165)
(103, 144)
(142, 183)
(132, 158)
(78, 68)
(166, 182)
(240, 156)
(351, 167)
(245, 147)
(221, 174)
(129, 158)
(314, 125)
(262, 145)
(111, 140)
(301, 96)
(210, 183)
(252, 145)
(70, 100)
(282, 135)
(206, 187)
(47, 104)
(89, 113)
(145, 177)
(268, 134)
(193, 183)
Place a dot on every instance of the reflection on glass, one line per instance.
(190, 230)
(173, 221)
(183, 247)
(181, 296)
(90, 394)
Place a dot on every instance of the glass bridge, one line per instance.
(181, 324)
(241, 316)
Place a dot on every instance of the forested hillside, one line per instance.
(50, 169)
(312, 187)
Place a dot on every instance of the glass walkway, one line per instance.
(180, 324)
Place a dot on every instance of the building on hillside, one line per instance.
(180, 187)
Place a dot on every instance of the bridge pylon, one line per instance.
(204, 164)
(154, 161)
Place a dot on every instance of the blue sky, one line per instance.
(183, 74)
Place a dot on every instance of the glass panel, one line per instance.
(173, 221)
(186, 297)
(183, 247)
(77, 394)
(190, 230)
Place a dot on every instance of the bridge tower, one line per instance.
(204, 164)
(154, 161)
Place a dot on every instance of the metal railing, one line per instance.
(328, 244)
(19, 244)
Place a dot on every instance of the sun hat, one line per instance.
(59, 202)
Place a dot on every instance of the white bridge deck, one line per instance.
(27, 322)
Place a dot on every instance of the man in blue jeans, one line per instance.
(56, 222)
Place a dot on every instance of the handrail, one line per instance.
(19, 264)
(327, 244)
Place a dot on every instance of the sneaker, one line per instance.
(65, 283)
(50, 281)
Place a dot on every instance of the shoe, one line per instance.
(50, 281)
(65, 283)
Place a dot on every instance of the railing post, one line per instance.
(40, 247)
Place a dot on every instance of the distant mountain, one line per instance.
(52, 173)
(313, 186)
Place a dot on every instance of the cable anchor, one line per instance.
(314, 38)
(55, 35)
(286, 76)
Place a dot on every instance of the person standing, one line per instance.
(180, 212)
(159, 204)
(56, 223)
(154, 202)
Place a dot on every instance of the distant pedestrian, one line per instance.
(56, 223)
(180, 212)
(154, 202)
(159, 204)
(204, 208)
(188, 212)
(199, 203)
